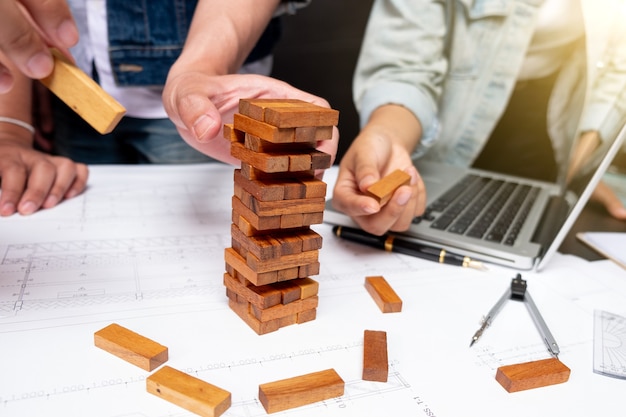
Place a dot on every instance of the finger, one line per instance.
(80, 181)
(13, 183)
(6, 79)
(197, 114)
(605, 195)
(55, 20)
(65, 176)
(41, 178)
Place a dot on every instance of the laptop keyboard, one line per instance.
(482, 208)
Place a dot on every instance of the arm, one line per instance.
(29, 179)
(202, 92)
(23, 38)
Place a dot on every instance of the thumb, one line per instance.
(200, 117)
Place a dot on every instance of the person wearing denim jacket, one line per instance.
(201, 91)
(434, 78)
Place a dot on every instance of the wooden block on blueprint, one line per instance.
(262, 296)
(188, 392)
(242, 309)
(382, 293)
(266, 162)
(83, 95)
(375, 361)
(283, 310)
(130, 346)
(383, 189)
(534, 374)
(263, 130)
(300, 390)
(232, 258)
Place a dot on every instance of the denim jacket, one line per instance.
(146, 38)
(458, 82)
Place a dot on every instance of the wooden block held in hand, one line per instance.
(83, 95)
(382, 293)
(130, 346)
(300, 390)
(534, 374)
(375, 362)
(383, 189)
(188, 392)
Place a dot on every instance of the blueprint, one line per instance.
(144, 247)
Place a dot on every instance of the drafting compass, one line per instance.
(518, 291)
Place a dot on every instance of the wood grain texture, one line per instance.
(385, 297)
(188, 392)
(534, 374)
(383, 189)
(130, 346)
(285, 113)
(300, 390)
(83, 95)
(375, 361)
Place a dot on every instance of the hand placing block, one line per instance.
(383, 189)
(535, 374)
(130, 346)
(301, 390)
(188, 392)
(385, 297)
(83, 95)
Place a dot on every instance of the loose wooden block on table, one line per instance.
(534, 374)
(83, 95)
(188, 392)
(375, 361)
(130, 346)
(382, 293)
(383, 189)
(300, 390)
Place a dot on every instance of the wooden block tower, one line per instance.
(276, 199)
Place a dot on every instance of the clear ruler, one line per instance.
(609, 344)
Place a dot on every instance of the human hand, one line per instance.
(200, 104)
(607, 197)
(27, 29)
(32, 180)
(370, 157)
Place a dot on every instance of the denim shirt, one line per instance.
(146, 38)
(458, 83)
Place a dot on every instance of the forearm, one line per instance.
(222, 34)
(395, 124)
(16, 105)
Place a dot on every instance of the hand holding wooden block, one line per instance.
(83, 95)
(383, 189)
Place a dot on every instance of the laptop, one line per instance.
(501, 219)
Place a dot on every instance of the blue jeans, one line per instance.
(133, 141)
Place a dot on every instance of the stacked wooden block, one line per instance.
(276, 199)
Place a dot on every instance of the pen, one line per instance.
(391, 243)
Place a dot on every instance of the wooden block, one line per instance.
(252, 173)
(263, 130)
(130, 346)
(281, 207)
(258, 222)
(307, 315)
(256, 144)
(266, 162)
(382, 293)
(262, 246)
(285, 113)
(320, 160)
(305, 271)
(383, 189)
(534, 374)
(232, 258)
(308, 287)
(188, 392)
(312, 134)
(233, 135)
(283, 310)
(261, 190)
(284, 262)
(83, 95)
(375, 362)
(262, 296)
(300, 390)
(242, 310)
